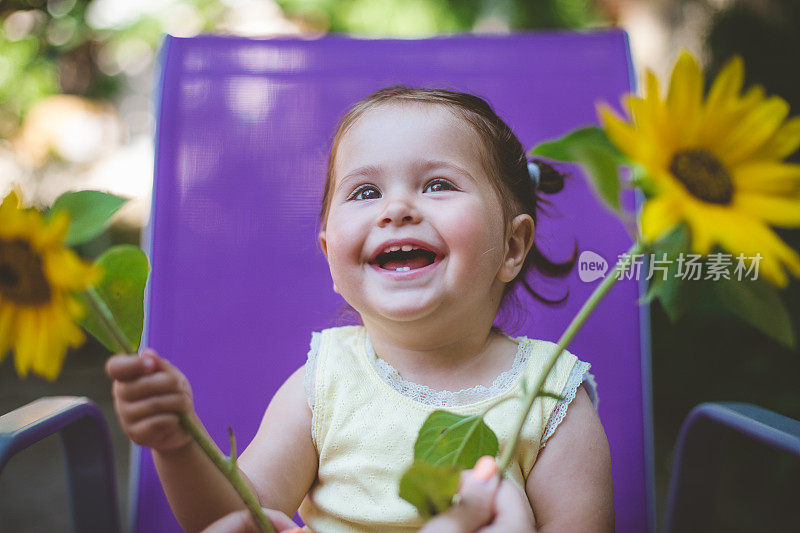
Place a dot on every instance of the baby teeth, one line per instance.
(407, 248)
(402, 269)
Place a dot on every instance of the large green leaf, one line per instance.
(755, 302)
(591, 148)
(125, 270)
(447, 438)
(89, 213)
(430, 488)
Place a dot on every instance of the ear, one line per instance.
(520, 240)
(323, 243)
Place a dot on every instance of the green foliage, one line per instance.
(25, 76)
(591, 148)
(430, 488)
(427, 17)
(89, 212)
(447, 438)
(125, 270)
(446, 444)
(754, 302)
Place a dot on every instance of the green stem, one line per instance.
(225, 465)
(563, 342)
(229, 469)
(103, 314)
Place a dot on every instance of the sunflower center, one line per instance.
(704, 175)
(22, 278)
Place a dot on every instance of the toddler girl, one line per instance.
(428, 221)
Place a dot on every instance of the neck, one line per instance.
(460, 354)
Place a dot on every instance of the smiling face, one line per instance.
(414, 225)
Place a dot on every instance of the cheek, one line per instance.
(480, 238)
(344, 243)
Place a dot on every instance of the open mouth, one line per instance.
(405, 258)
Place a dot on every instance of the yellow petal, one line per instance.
(785, 142)
(655, 137)
(652, 92)
(685, 95)
(767, 177)
(776, 210)
(52, 347)
(11, 201)
(701, 238)
(54, 232)
(66, 270)
(27, 327)
(6, 329)
(740, 233)
(659, 215)
(726, 87)
(755, 129)
(619, 132)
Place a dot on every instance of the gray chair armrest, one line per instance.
(87, 451)
(701, 437)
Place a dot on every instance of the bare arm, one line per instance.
(281, 461)
(147, 399)
(570, 487)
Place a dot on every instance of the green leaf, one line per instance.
(430, 488)
(125, 270)
(591, 148)
(89, 213)
(448, 438)
(675, 296)
(755, 302)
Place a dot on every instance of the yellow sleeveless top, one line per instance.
(364, 428)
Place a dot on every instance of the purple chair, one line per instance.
(238, 282)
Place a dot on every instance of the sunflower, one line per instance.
(38, 279)
(716, 163)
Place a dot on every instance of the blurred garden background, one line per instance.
(75, 113)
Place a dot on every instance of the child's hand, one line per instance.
(487, 505)
(149, 392)
(242, 522)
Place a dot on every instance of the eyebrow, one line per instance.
(371, 171)
(365, 171)
(432, 164)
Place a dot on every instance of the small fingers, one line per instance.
(155, 431)
(512, 511)
(238, 522)
(242, 522)
(174, 402)
(474, 509)
(125, 367)
(281, 520)
(149, 385)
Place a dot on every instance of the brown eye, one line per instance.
(439, 185)
(365, 192)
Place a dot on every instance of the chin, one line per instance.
(404, 311)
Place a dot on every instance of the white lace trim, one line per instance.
(580, 374)
(311, 365)
(445, 398)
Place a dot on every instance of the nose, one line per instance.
(398, 211)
